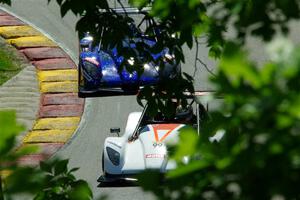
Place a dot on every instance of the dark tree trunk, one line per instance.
(1, 189)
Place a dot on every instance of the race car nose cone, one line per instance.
(155, 156)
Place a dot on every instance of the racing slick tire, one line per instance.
(102, 164)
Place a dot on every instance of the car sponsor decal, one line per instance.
(154, 155)
(157, 144)
(163, 127)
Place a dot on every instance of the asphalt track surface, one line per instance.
(85, 148)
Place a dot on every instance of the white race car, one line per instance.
(143, 144)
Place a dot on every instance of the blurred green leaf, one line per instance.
(45, 167)
(188, 143)
(74, 169)
(81, 191)
(8, 2)
(149, 179)
(24, 179)
(9, 130)
(61, 167)
(187, 170)
(237, 68)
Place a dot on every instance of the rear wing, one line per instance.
(199, 93)
(131, 10)
(201, 97)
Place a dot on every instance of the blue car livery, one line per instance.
(101, 72)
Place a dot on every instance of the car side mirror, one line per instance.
(86, 42)
(115, 130)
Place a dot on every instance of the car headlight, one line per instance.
(131, 61)
(86, 43)
(113, 156)
(169, 56)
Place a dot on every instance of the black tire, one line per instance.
(103, 163)
(82, 82)
(80, 76)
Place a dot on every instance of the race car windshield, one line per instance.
(128, 42)
(182, 116)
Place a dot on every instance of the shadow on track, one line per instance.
(120, 183)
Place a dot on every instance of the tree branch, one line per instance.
(196, 56)
(206, 67)
(197, 59)
(1, 189)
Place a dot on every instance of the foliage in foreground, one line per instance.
(259, 155)
(52, 181)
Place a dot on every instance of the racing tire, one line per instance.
(81, 79)
(104, 173)
(79, 76)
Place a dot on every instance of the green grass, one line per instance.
(9, 64)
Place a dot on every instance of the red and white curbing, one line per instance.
(60, 108)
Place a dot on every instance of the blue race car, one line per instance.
(101, 72)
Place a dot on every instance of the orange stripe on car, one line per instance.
(155, 134)
(165, 126)
(169, 127)
(166, 135)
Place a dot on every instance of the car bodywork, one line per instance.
(102, 73)
(143, 146)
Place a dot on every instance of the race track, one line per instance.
(85, 148)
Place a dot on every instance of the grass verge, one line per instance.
(10, 62)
